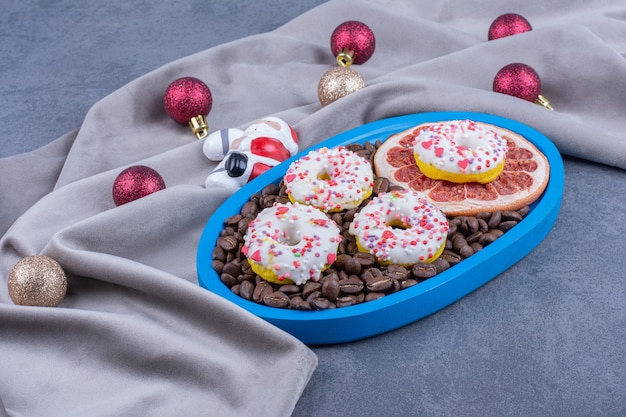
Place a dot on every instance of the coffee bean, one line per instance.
(219, 253)
(365, 259)
(474, 237)
(297, 303)
(451, 257)
(374, 296)
(330, 288)
(507, 225)
(352, 266)
(487, 238)
(408, 283)
(242, 226)
(270, 189)
(472, 224)
(228, 243)
(349, 215)
(217, 265)
(381, 185)
(233, 220)
(320, 303)
(483, 215)
(245, 277)
(397, 272)
(232, 268)
(476, 247)
(466, 251)
(310, 287)
(313, 296)
(423, 270)
(235, 289)
(482, 226)
(379, 284)
(441, 265)
(351, 285)
(228, 279)
(494, 220)
(289, 289)
(250, 210)
(524, 211)
(346, 301)
(246, 290)
(276, 299)
(458, 243)
(511, 215)
(261, 289)
(340, 262)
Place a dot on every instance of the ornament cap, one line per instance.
(542, 101)
(345, 57)
(199, 126)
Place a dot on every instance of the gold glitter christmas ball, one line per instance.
(37, 281)
(338, 82)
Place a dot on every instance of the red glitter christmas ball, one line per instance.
(187, 97)
(508, 24)
(518, 80)
(356, 37)
(136, 182)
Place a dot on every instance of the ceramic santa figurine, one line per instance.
(246, 154)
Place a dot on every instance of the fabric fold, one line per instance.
(136, 335)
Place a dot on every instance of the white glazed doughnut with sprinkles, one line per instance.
(291, 243)
(460, 151)
(331, 179)
(399, 227)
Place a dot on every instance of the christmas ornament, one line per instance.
(337, 83)
(37, 281)
(520, 80)
(508, 24)
(136, 182)
(352, 42)
(246, 154)
(188, 100)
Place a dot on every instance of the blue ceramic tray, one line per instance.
(406, 306)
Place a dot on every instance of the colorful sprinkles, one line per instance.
(459, 147)
(330, 179)
(400, 228)
(291, 243)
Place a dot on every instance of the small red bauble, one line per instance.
(188, 100)
(352, 42)
(508, 24)
(518, 80)
(136, 182)
(521, 81)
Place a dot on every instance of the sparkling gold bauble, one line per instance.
(37, 281)
(338, 83)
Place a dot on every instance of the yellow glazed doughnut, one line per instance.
(330, 179)
(398, 227)
(460, 151)
(291, 243)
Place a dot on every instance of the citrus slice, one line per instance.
(523, 179)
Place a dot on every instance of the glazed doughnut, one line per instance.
(399, 227)
(291, 243)
(330, 179)
(460, 151)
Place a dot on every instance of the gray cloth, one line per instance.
(135, 334)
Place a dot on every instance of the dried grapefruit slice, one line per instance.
(523, 179)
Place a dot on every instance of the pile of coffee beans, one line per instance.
(355, 277)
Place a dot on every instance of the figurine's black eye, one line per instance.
(236, 164)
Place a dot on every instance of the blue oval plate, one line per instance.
(406, 306)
